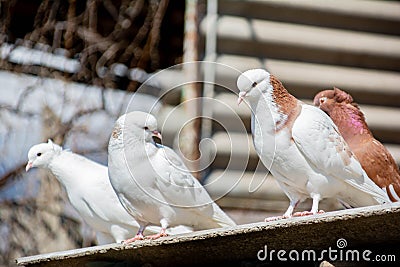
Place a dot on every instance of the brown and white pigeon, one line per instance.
(375, 159)
(152, 182)
(302, 147)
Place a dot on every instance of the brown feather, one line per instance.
(287, 104)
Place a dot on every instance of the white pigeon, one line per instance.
(303, 148)
(89, 190)
(152, 181)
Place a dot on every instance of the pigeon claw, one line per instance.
(156, 236)
(133, 239)
(296, 214)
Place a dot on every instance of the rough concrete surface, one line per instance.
(375, 228)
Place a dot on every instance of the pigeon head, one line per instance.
(252, 83)
(40, 155)
(327, 99)
(141, 125)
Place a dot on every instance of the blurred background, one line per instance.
(68, 69)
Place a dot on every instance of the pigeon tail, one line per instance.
(368, 194)
(361, 200)
(391, 192)
(221, 218)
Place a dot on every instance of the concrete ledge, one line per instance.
(373, 228)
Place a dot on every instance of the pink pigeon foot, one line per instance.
(161, 234)
(306, 213)
(133, 239)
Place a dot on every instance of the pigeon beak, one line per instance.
(241, 97)
(157, 134)
(28, 166)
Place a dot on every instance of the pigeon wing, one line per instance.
(176, 183)
(319, 140)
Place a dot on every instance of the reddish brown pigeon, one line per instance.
(376, 160)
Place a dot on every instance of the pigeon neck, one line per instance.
(350, 121)
(286, 104)
(279, 108)
(278, 103)
(60, 165)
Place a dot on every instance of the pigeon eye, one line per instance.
(254, 84)
(39, 154)
(145, 128)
